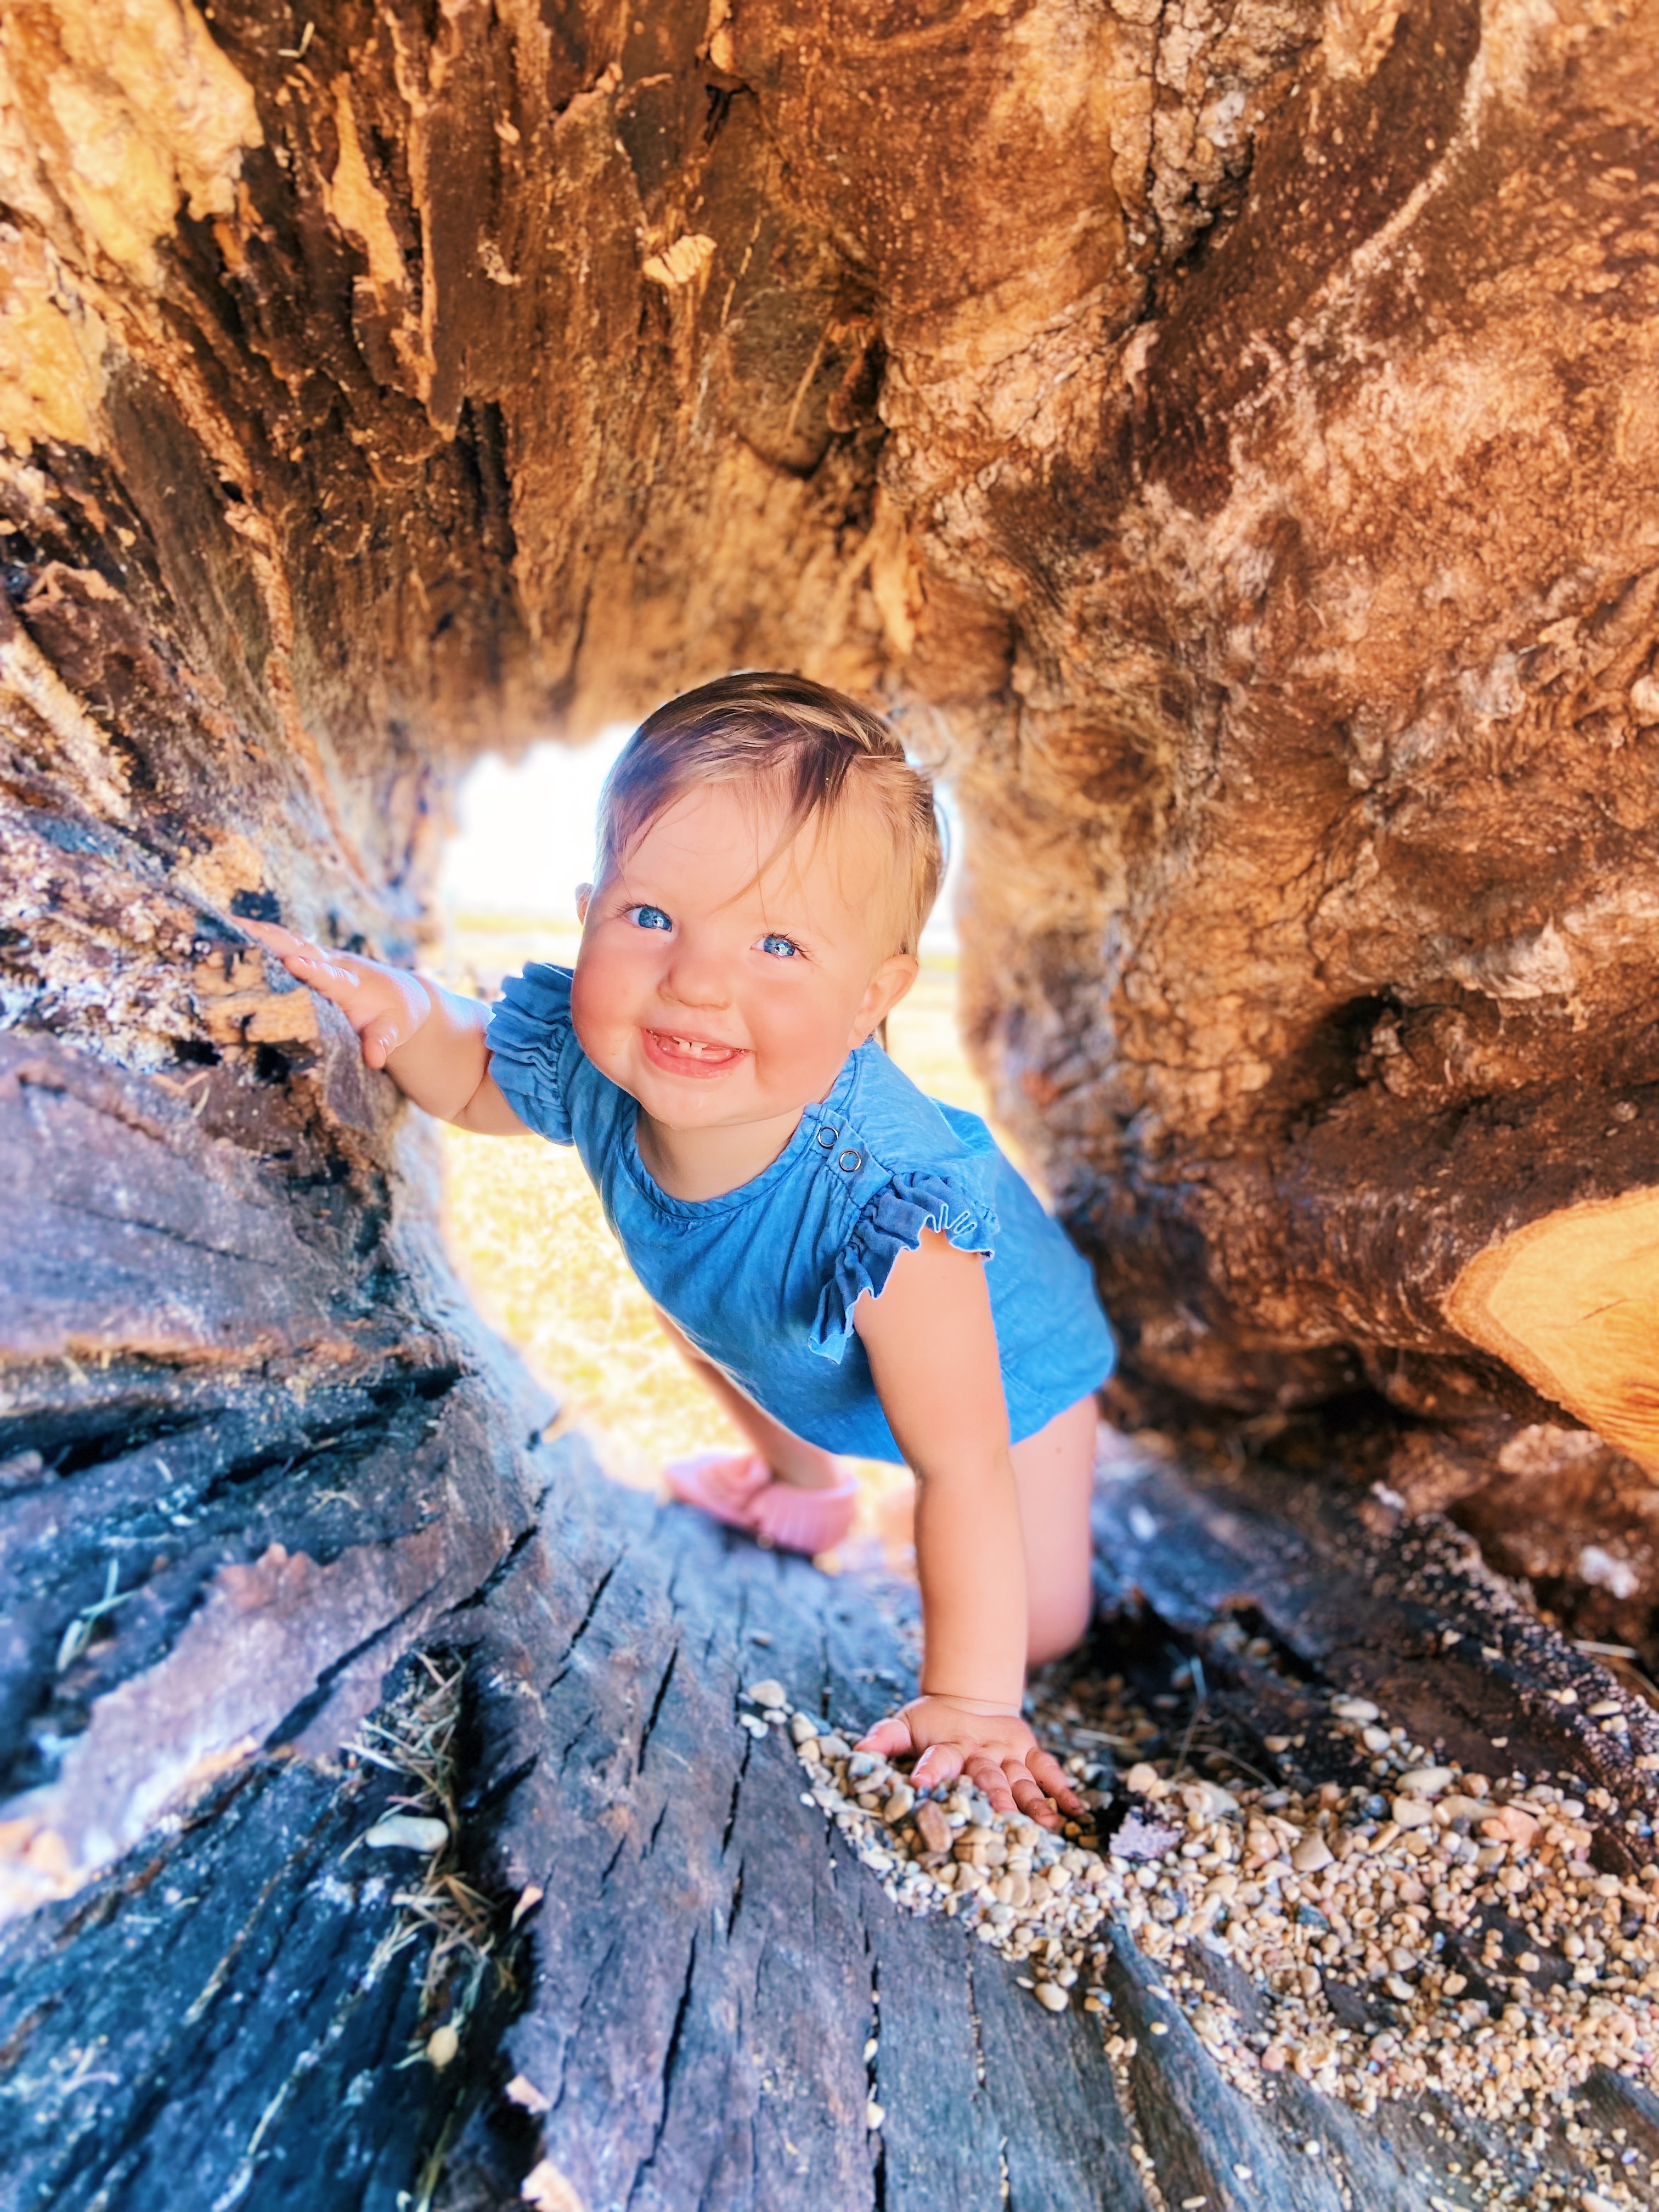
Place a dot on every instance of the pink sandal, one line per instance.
(741, 1490)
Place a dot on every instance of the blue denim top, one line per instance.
(763, 1278)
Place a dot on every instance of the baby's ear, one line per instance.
(584, 899)
(886, 988)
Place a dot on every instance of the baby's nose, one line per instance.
(696, 978)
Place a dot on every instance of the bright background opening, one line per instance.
(522, 1222)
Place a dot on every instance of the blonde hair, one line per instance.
(815, 746)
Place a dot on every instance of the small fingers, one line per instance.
(324, 972)
(986, 1775)
(277, 939)
(939, 1764)
(1052, 1777)
(1033, 1800)
(297, 954)
(379, 1045)
(889, 1739)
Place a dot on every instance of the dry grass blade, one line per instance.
(413, 1734)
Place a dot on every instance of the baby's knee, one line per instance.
(1061, 1630)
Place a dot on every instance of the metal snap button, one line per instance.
(850, 1160)
(827, 1138)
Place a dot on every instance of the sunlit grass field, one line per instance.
(525, 1228)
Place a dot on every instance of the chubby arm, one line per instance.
(429, 1041)
(933, 1350)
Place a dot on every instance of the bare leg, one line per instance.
(790, 1457)
(1055, 1470)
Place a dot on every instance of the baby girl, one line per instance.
(853, 1268)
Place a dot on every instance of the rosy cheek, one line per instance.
(596, 994)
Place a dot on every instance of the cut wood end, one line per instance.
(1571, 1302)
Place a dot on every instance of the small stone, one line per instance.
(1602, 1707)
(1142, 1778)
(408, 1831)
(1051, 1997)
(874, 2114)
(1398, 1988)
(1276, 1744)
(1158, 2027)
(1312, 1854)
(1511, 1824)
(804, 1728)
(1528, 1962)
(753, 1722)
(774, 1716)
(1426, 1781)
(442, 2045)
(1355, 1709)
(1209, 1799)
(1375, 1739)
(520, 2090)
(933, 1826)
(1458, 1808)
(833, 1746)
(767, 1692)
(1411, 1813)
(899, 1803)
(1274, 2059)
(547, 2190)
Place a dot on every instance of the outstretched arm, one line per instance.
(933, 1350)
(429, 1041)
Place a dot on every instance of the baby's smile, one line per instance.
(690, 1055)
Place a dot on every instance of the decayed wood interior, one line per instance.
(1228, 437)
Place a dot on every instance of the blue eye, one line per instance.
(781, 948)
(651, 917)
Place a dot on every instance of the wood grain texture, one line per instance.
(691, 1999)
(1572, 1302)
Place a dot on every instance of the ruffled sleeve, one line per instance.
(533, 1047)
(953, 1201)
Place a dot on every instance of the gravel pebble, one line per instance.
(1446, 1894)
(408, 1831)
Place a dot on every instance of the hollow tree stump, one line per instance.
(1236, 445)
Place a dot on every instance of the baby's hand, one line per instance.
(385, 1005)
(998, 1753)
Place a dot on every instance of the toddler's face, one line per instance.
(719, 990)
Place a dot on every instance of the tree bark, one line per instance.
(1228, 435)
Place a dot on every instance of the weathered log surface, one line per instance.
(1231, 431)
(692, 1997)
(1232, 440)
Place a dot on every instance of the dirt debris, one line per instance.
(1433, 1931)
